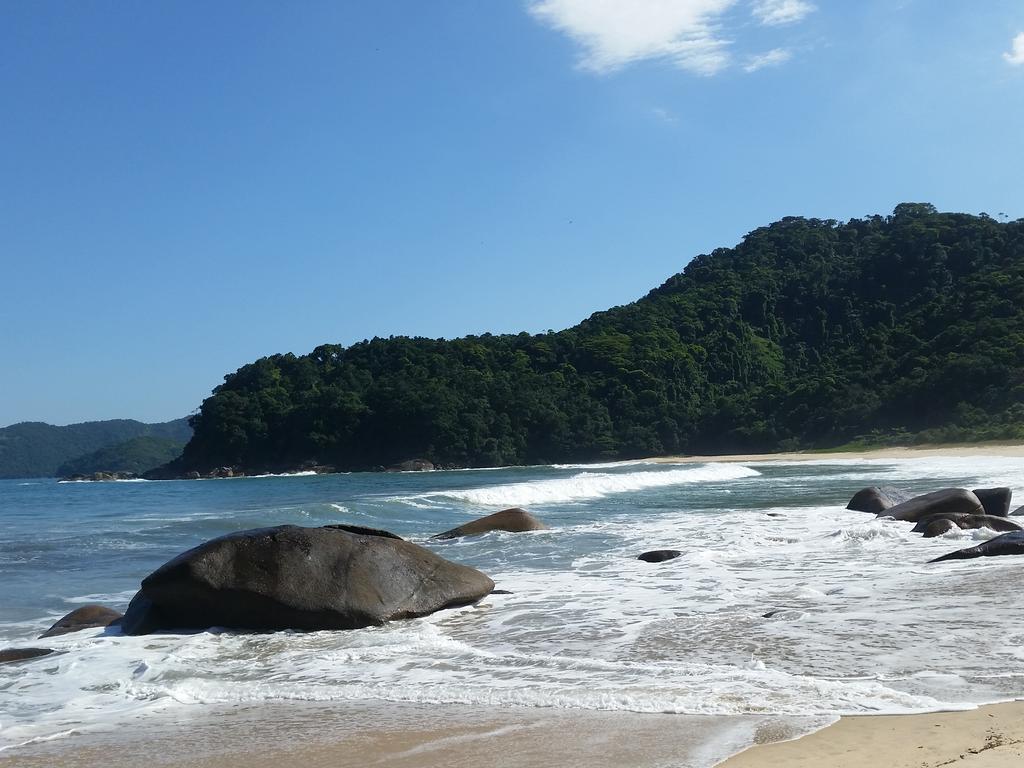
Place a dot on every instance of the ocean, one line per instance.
(783, 604)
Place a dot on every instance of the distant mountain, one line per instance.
(809, 333)
(138, 455)
(36, 449)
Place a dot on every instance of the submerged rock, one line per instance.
(514, 520)
(1007, 544)
(8, 655)
(659, 555)
(86, 617)
(954, 501)
(289, 577)
(996, 501)
(877, 499)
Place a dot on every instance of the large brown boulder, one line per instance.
(875, 499)
(86, 617)
(953, 501)
(996, 501)
(289, 577)
(514, 520)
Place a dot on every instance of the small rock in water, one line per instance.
(513, 520)
(659, 555)
(86, 617)
(877, 499)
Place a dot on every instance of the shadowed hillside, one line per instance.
(35, 449)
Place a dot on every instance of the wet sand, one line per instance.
(361, 734)
(355, 734)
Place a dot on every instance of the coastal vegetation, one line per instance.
(810, 333)
(36, 449)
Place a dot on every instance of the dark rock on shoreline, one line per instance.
(877, 499)
(659, 555)
(86, 617)
(953, 501)
(289, 577)
(964, 522)
(9, 655)
(514, 520)
(996, 501)
(98, 477)
(412, 465)
(1008, 544)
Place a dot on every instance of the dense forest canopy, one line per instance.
(809, 333)
(37, 449)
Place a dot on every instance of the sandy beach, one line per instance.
(988, 737)
(896, 452)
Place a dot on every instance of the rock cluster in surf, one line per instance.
(941, 511)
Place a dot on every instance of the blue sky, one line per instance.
(185, 187)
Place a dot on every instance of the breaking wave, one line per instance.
(584, 486)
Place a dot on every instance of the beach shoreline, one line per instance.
(987, 737)
(894, 452)
(355, 734)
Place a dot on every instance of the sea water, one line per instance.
(783, 602)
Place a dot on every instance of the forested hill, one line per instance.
(36, 449)
(809, 333)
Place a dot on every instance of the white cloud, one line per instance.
(614, 33)
(772, 58)
(664, 115)
(1015, 55)
(774, 13)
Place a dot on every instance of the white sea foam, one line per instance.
(608, 464)
(303, 473)
(584, 486)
